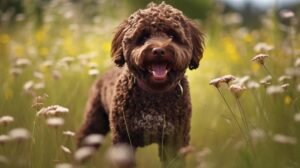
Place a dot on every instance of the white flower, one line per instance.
(260, 58)
(93, 139)
(69, 133)
(284, 139)
(4, 120)
(263, 47)
(4, 139)
(297, 117)
(83, 153)
(53, 110)
(93, 72)
(19, 134)
(23, 62)
(252, 85)
(237, 90)
(55, 121)
(65, 149)
(273, 90)
(120, 155)
(287, 14)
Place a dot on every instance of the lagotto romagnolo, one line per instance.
(145, 98)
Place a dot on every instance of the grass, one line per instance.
(59, 60)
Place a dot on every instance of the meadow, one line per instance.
(245, 95)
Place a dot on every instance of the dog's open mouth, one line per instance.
(159, 71)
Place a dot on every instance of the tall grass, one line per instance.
(56, 63)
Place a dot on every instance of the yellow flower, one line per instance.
(231, 50)
(287, 100)
(4, 38)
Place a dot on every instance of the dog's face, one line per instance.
(158, 44)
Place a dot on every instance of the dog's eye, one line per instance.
(142, 38)
(174, 36)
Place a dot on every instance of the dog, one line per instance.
(145, 98)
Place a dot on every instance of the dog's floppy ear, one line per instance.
(198, 45)
(116, 45)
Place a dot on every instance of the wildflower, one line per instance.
(297, 117)
(47, 64)
(56, 74)
(252, 85)
(241, 81)
(4, 139)
(121, 155)
(16, 71)
(216, 82)
(186, 150)
(263, 47)
(287, 14)
(67, 60)
(284, 139)
(294, 72)
(22, 62)
(228, 78)
(5, 120)
(39, 86)
(223, 79)
(93, 65)
(55, 122)
(19, 134)
(266, 81)
(260, 58)
(69, 133)
(237, 90)
(273, 90)
(53, 110)
(284, 78)
(28, 86)
(93, 72)
(297, 62)
(93, 139)
(65, 149)
(298, 88)
(38, 75)
(83, 153)
(285, 86)
(64, 165)
(257, 134)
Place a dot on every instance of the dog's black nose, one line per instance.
(158, 51)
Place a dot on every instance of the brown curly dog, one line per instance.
(146, 99)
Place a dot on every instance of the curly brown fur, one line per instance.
(146, 98)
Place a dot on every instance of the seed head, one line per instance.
(69, 133)
(121, 156)
(284, 78)
(252, 85)
(297, 117)
(263, 47)
(23, 62)
(83, 154)
(93, 139)
(285, 86)
(186, 150)
(216, 82)
(19, 134)
(65, 149)
(266, 81)
(274, 90)
(53, 110)
(284, 139)
(237, 90)
(55, 122)
(260, 58)
(4, 139)
(93, 72)
(5, 120)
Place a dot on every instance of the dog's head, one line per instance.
(158, 44)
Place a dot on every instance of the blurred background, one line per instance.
(51, 51)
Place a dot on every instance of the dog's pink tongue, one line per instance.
(159, 71)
